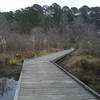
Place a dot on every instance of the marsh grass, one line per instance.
(11, 61)
(85, 66)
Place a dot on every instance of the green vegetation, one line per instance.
(86, 66)
(42, 27)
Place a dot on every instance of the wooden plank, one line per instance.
(42, 80)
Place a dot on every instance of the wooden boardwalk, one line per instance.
(42, 80)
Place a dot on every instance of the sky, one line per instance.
(12, 5)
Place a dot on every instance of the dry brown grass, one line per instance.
(11, 61)
(13, 57)
(85, 66)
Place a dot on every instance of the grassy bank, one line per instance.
(85, 65)
(11, 60)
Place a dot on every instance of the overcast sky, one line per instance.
(11, 5)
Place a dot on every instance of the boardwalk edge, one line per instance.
(97, 95)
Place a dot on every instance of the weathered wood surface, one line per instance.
(42, 80)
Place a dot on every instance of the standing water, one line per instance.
(7, 88)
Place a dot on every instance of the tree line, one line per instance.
(54, 15)
(65, 26)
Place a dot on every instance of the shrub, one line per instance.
(84, 65)
(18, 55)
(13, 61)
